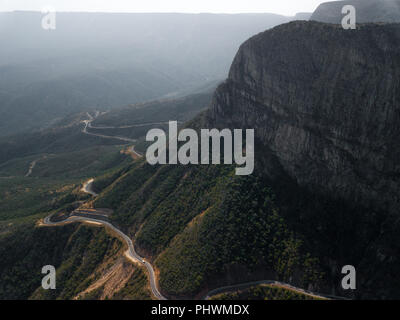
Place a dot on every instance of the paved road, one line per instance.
(88, 123)
(268, 282)
(88, 188)
(129, 126)
(153, 284)
(132, 149)
(31, 167)
(132, 253)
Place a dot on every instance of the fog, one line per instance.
(284, 7)
(104, 60)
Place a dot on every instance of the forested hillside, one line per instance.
(203, 226)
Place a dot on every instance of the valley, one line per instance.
(317, 107)
(91, 187)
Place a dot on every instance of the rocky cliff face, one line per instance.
(326, 103)
(367, 11)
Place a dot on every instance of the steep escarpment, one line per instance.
(325, 103)
(366, 11)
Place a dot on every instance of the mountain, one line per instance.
(330, 114)
(325, 190)
(100, 61)
(325, 108)
(366, 11)
(324, 194)
(303, 16)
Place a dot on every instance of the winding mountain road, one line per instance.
(138, 125)
(132, 149)
(33, 164)
(242, 286)
(131, 249)
(132, 254)
(85, 131)
(88, 124)
(31, 167)
(88, 188)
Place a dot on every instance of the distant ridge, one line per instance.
(367, 11)
(303, 16)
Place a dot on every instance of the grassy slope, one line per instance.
(65, 157)
(203, 228)
(135, 289)
(80, 253)
(54, 179)
(51, 141)
(202, 225)
(182, 109)
(22, 197)
(75, 251)
(75, 254)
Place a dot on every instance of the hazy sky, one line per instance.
(286, 7)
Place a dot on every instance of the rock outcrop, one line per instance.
(367, 11)
(326, 103)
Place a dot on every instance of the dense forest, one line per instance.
(204, 225)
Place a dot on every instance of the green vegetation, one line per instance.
(121, 189)
(22, 197)
(182, 109)
(109, 177)
(201, 226)
(155, 114)
(141, 145)
(203, 222)
(135, 289)
(80, 164)
(131, 132)
(241, 231)
(57, 140)
(85, 250)
(75, 251)
(54, 184)
(54, 181)
(64, 158)
(264, 292)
